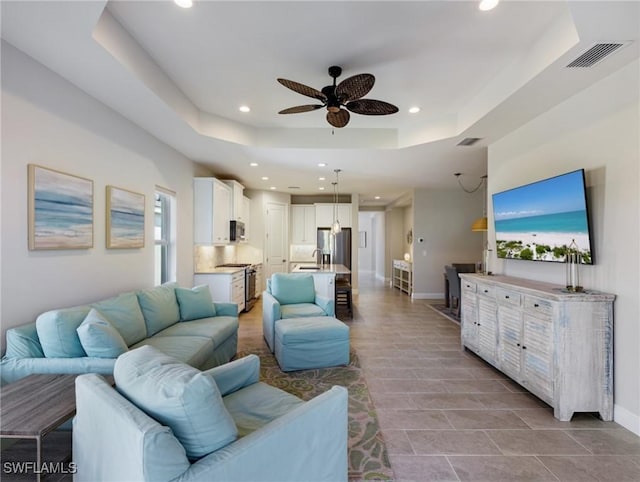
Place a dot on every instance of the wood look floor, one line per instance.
(448, 416)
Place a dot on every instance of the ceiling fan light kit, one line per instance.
(341, 98)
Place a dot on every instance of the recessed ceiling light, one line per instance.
(244, 108)
(184, 3)
(322, 164)
(253, 164)
(414, 110)
(321, 188)
(273, 188)
(321, 179)
(488, 4)
(376, 197)
(265, 178)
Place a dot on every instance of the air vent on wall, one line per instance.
(469, 141)
(595, 54)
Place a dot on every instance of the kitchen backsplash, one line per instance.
(206, 258)
(300, 252)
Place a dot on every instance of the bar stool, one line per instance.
(343, 296)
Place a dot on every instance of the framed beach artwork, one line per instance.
(125, 218)
(60, 210)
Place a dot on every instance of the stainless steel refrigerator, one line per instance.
(338, 246)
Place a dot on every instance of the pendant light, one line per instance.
(480, 224)
(335, 227)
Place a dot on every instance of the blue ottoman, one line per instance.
(312, 342)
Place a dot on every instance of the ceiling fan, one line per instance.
(347, 94)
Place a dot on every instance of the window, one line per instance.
(164, 234)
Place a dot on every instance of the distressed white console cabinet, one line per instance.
(557, 345)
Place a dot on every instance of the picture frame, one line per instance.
(60, 210)
(125, 218)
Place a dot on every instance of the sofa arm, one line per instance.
(328, 305)
(313, 436)
(13, 369)
(113, 440)
(226, 309)
(270, 314)
(237, 374)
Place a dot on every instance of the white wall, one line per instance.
(366, 254)
(48, 121)
(598, 130)
(443, 220)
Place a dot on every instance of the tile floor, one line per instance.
(448, 416)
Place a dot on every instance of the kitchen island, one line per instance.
(324, 276)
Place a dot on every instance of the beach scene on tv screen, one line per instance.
(539, 221)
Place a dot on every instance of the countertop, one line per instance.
(327, 268)
(226, 270)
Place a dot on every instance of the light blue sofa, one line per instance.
(166, 421)
(291, 295)
(180, 322)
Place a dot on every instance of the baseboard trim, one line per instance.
(427, 296)
(628, 420)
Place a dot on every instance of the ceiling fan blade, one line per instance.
(338, 119)
(371, 107)
(354, 87)
(300, 108)
(303, 89)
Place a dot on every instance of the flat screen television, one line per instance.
(539, 221)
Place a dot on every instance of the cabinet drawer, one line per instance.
(486, 290)
(507, 297)
(538, 307)
(239, 276)
(468, 286)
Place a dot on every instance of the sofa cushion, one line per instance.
(177, 395)
(99, 338)
(123, 312)
(195, 303)
(192, 350)
(218, 329)
(301, 310)
(256, 405)
(23, 342)
(57, 332)
(159, 307)
(290, 288)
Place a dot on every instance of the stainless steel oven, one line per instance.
(249, 283)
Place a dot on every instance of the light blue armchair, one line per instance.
(218, 425)
(291, 295)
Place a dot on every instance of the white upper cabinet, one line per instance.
(303, 224)
(211, 211)
(324, 215)
(237, 200)
(246, 215)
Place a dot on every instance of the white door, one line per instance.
(276, 239)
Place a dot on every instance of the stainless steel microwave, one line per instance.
(236, 232)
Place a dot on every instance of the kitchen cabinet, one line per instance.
(259, 279)
(325, 284)
(303, 224)
(557, 345)
(211, 211)
(224, 287)
(246, 216)
(237, 202)
(325, 215)
(402, 276)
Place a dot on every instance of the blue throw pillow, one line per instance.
(99, 338)
(195, 303)
(159, 307)
(176, 395)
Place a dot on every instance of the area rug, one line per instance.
(444, 311)
(368, 457)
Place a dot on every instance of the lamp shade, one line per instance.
(479, 224)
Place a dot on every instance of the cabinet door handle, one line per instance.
(536, 305)
(486, 291)
(506, 296)
(524, 347)
(517, 344)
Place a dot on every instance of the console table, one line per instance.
(401, 276)
(556, 344)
